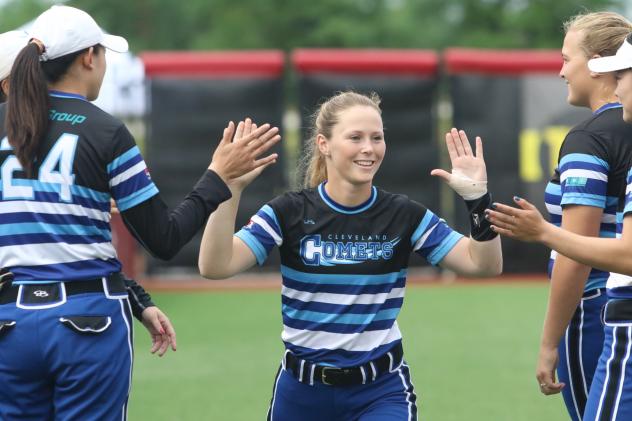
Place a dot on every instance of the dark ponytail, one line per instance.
(27, 107)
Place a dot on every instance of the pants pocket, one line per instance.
(90, 325)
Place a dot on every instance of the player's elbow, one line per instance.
(488, 270)
(211, 271)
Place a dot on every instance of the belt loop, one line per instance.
(106, 290)
(373, 371)
(363, 374)
(311, 375)
(284, 360)
(301, 370)
(390, 361)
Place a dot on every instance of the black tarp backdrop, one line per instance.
(406, 80)
(516, 102)
(192, 96)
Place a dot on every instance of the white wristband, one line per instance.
(466, 187)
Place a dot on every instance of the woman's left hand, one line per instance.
(469, 175)
(160, 329)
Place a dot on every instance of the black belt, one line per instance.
(308, 373)
(50, 292)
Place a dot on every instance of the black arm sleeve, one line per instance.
(139, 299)
(162, 232)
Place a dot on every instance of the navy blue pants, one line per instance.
(610, 397)
(579, 352)
(66, 360)
(391, 397)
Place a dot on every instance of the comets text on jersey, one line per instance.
(338, 250)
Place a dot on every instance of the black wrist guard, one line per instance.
(480, 228)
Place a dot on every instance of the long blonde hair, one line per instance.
(603, 32)
(313, 165)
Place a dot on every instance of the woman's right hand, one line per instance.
(238, 150)
(545, 371)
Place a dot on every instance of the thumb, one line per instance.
(444, 175)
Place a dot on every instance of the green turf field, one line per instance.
(471, 349)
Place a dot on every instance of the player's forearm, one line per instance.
(567, 286)
(216, 249)
(609, 254)
(163, 232)
(486, 257)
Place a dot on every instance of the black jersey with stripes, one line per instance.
(55, 225)
(344, 269)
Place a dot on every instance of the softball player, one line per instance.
(344, 248)
(610, 395)
(582, 197)
(65, 322)
(157, 323)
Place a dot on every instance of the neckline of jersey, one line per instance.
(607, 106)
(60, 94)
(346, 209)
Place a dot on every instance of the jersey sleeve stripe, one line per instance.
(584, 158)
(268, 229)
(268, 211)
(444, 247)
(428, 218)
(584, 200)
(129, 173)
(582, 173)
(137, 197)
(253, 243)
(122, 159)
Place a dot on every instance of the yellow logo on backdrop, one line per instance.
(531, 143)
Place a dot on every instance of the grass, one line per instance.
(472, 352)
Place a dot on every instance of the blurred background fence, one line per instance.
(513, 99)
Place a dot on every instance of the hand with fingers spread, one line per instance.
(244, 129)
(469, 175)
(161, 330)
(545, 372)
(237, 153)
(524, 223)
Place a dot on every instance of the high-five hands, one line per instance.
(237, 156)
(469, 175)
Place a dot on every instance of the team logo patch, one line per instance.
(316, 251)
(576, 181)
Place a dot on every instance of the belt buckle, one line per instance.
(323, 375)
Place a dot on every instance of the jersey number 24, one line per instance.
(56, 169)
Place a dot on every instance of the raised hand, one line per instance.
(244, 129)
(524, 223)
(236, 157)
(469, 175)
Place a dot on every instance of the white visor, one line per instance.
(620, 61)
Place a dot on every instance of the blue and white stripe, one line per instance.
(129, 182)
(336, 318)
(433, 238)
(583, 181)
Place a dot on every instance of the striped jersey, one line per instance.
(619, 285)
(55, 225)
(344, 269)
(592, 167)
